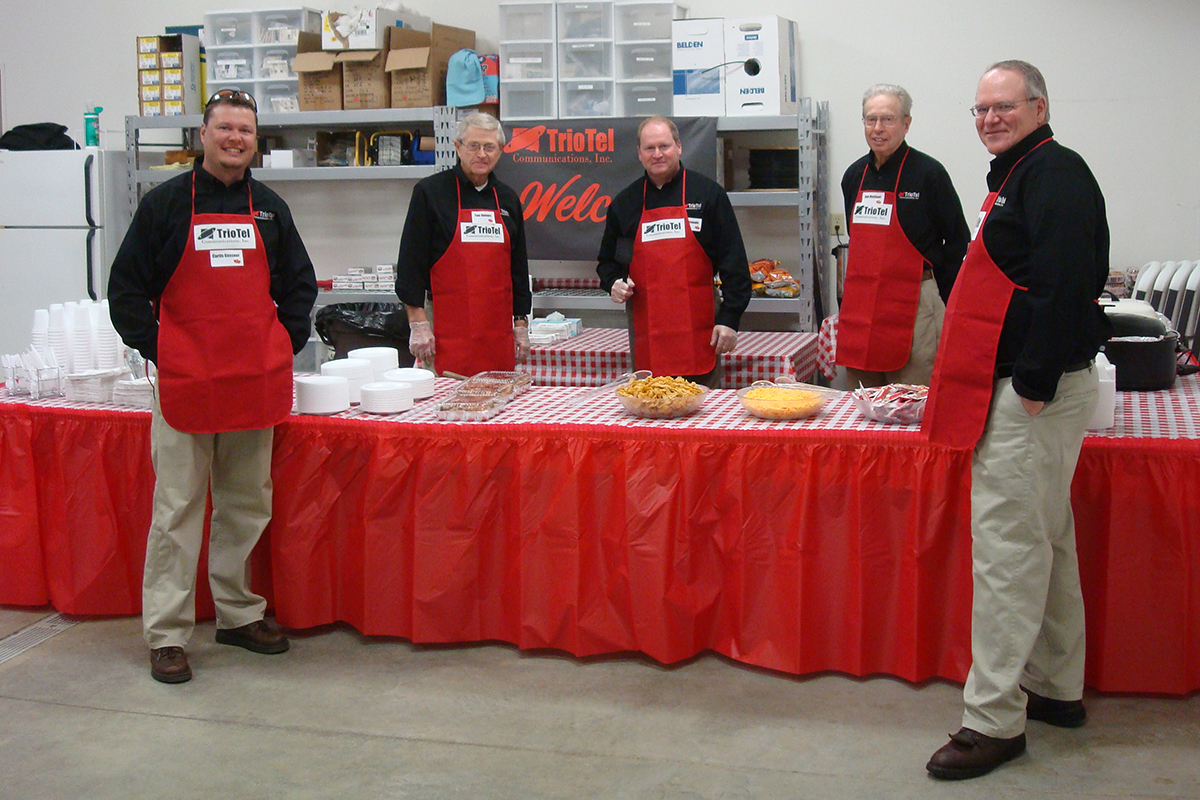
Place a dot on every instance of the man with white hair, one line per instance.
(907, 240)
(464, 245)
(1014, 380)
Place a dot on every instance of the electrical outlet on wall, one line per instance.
(837, 223)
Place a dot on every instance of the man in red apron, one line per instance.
(464, 245)
(907, 240)
(1014, 380)
(213, 285)
(666, 235)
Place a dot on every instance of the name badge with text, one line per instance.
(872, 210)
(224, 236)
(226, 258)
(482, 232)
(663, 229)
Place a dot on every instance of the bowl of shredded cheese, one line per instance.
(767, 400)
(661, 397)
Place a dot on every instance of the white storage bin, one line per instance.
(279, 97)
(526, 61)
(645, 20)
(644, 99)
(585, 60)
(224, 28)
(526, 21)
(274, 62)
(644, 60)
(283, 26)
(234, 64)
(585, 20)
(527, 100)
(589, 97)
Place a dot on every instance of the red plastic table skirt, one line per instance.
(797, 551)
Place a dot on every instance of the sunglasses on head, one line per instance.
(235, 96)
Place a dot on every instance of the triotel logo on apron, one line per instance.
(872, 209)
(483, 227)
(223, 236)
(663, 229)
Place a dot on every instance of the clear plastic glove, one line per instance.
(622, 290)
(420, 340)
(724, 339)
(521, 337)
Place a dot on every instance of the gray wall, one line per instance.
(1122, 76)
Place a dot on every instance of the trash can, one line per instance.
(349, 326)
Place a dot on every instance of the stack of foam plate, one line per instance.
(421, 380)
(382, 359)
(322, 394)
(356, 371)
(386, 397)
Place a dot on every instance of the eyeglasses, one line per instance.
(475, 147)
(236, 96)
(886, 120)
(1000, 108)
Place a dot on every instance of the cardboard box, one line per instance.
(319, 73)
(416, 63)
(150, 108)
(172, 76)
(769, 45)
(173, 108)
(151, 94)
(697, 67)
(364, 79)
(170, 60)
(148, 61)
(149, 77)
(177, 60)
(147, 44)
(366, 29)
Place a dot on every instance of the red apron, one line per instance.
(882, 286)
(672, 303)
(960, 393)
(472, 295)
(224, 358)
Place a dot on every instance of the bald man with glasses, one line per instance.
(907, 240)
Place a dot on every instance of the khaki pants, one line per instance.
(238, 466)
(1027, 623)
(927, 330)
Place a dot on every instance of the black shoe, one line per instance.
(169, 665)
(257, 637)
(1060, 713)
(970, 754)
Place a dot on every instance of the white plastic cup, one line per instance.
(56, 317)
(41, 320)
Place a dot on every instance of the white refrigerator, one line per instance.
(59, 230)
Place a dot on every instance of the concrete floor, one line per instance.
(347, 716)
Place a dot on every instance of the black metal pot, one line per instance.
(1145, 365)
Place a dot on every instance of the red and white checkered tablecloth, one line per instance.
(601, 355)
(1173, 414)
(827, 347)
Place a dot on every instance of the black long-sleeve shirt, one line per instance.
(719, 236)
(432, 223)
(927, 207)
(160, 231)
(1048, 231)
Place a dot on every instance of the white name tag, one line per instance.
(226, 258)
(663, 229)
(695, 222)
(871, 210)
(481, 232)
(224, 236)
(484, 217)
(978, 225)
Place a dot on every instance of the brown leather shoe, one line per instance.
(970, 754)
(169, 665)
(258, 637)
(1060, 713)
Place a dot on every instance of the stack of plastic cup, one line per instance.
(83, 357)
(109, 351)
(56, 336)
(41, 326)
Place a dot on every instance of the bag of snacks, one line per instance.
(896, 403)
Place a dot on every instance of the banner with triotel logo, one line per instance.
(568, 171)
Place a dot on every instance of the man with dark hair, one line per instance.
(666, 236)
(213, 285)
(463, 246)
(1014, 379)
(907, 240)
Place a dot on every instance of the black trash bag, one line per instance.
(38, 136)
(349, 326)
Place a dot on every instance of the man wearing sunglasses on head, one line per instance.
(1014, 380)
(907, 240)
(214, 286)
(464, 246)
